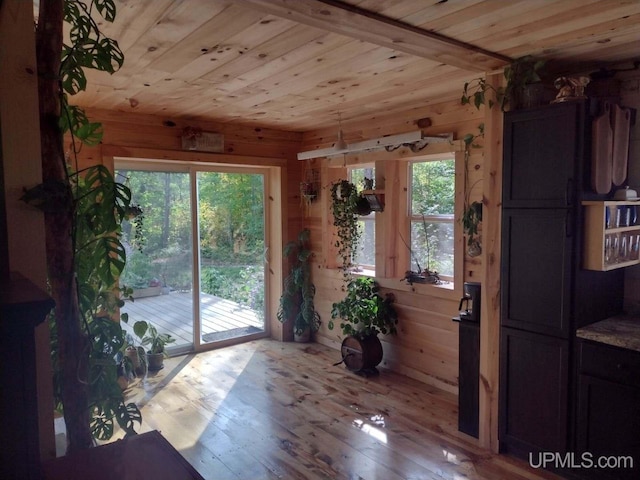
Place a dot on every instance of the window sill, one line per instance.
(446, 291)
(365, 272)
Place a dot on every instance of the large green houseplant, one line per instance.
(364, 315)
(83, 211)
(296, 301)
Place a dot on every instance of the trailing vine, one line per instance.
(518, 74)
(344, 201)
(472, 211)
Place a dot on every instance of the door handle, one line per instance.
(265, 255)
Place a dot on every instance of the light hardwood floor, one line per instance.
(267, 410)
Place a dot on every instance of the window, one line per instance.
(431, 214)
(366, 255)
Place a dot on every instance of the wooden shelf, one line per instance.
(615, 247)
(375, 199)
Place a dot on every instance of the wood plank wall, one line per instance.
(426, 347)
(131, 130)
(20, 158)
(152, 136)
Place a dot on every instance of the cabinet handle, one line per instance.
(568, 225)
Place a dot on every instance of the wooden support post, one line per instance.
(490, 312)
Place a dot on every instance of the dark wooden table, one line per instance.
(141, 457)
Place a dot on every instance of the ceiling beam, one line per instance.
(360, 24)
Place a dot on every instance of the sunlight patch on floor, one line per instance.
(374, 429)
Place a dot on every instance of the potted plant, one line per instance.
(296, 301)
(344, 201)
(364, 315)
(155, 343)
(520, 74)
(135, 355)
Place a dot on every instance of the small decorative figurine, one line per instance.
(570, 88)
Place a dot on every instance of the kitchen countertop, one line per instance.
(620, 331)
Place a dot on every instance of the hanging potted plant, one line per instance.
(296, 301)
(520, 75)
(344, 206)
(364, 315)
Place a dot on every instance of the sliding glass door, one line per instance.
(231, 234)
(197, 262)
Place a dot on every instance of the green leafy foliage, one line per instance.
(344, 200)
(231, 234)
(296, 301)
(88, 48)
(472, 214)
(151, 338)
(432, 215)
(521, 72)
(99, 205)
(471, 218)
(242, 284)
(477, 91)
(364, 311)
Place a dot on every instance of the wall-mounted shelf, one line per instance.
(375, 199)
(612, 235)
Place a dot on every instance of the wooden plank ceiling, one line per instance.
(295, 64)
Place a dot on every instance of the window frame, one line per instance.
(365, 269)
(437, 218)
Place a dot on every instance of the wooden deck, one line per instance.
(271, 410)
(173, 313)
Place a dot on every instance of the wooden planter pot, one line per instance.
(361, 353)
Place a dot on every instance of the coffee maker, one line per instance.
(471, 302)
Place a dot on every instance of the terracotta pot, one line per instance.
(302, 337)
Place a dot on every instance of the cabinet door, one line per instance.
(541, 149)
(608, 424)
(533, 393)
(536, 270)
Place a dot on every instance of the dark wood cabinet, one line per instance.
(22, 308)
(534, 395)
(537, 267)
(545, 293)
(542, 148)
(543, 151)
(608, 414)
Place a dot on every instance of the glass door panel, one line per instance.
(160, 257)
(231, 230)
